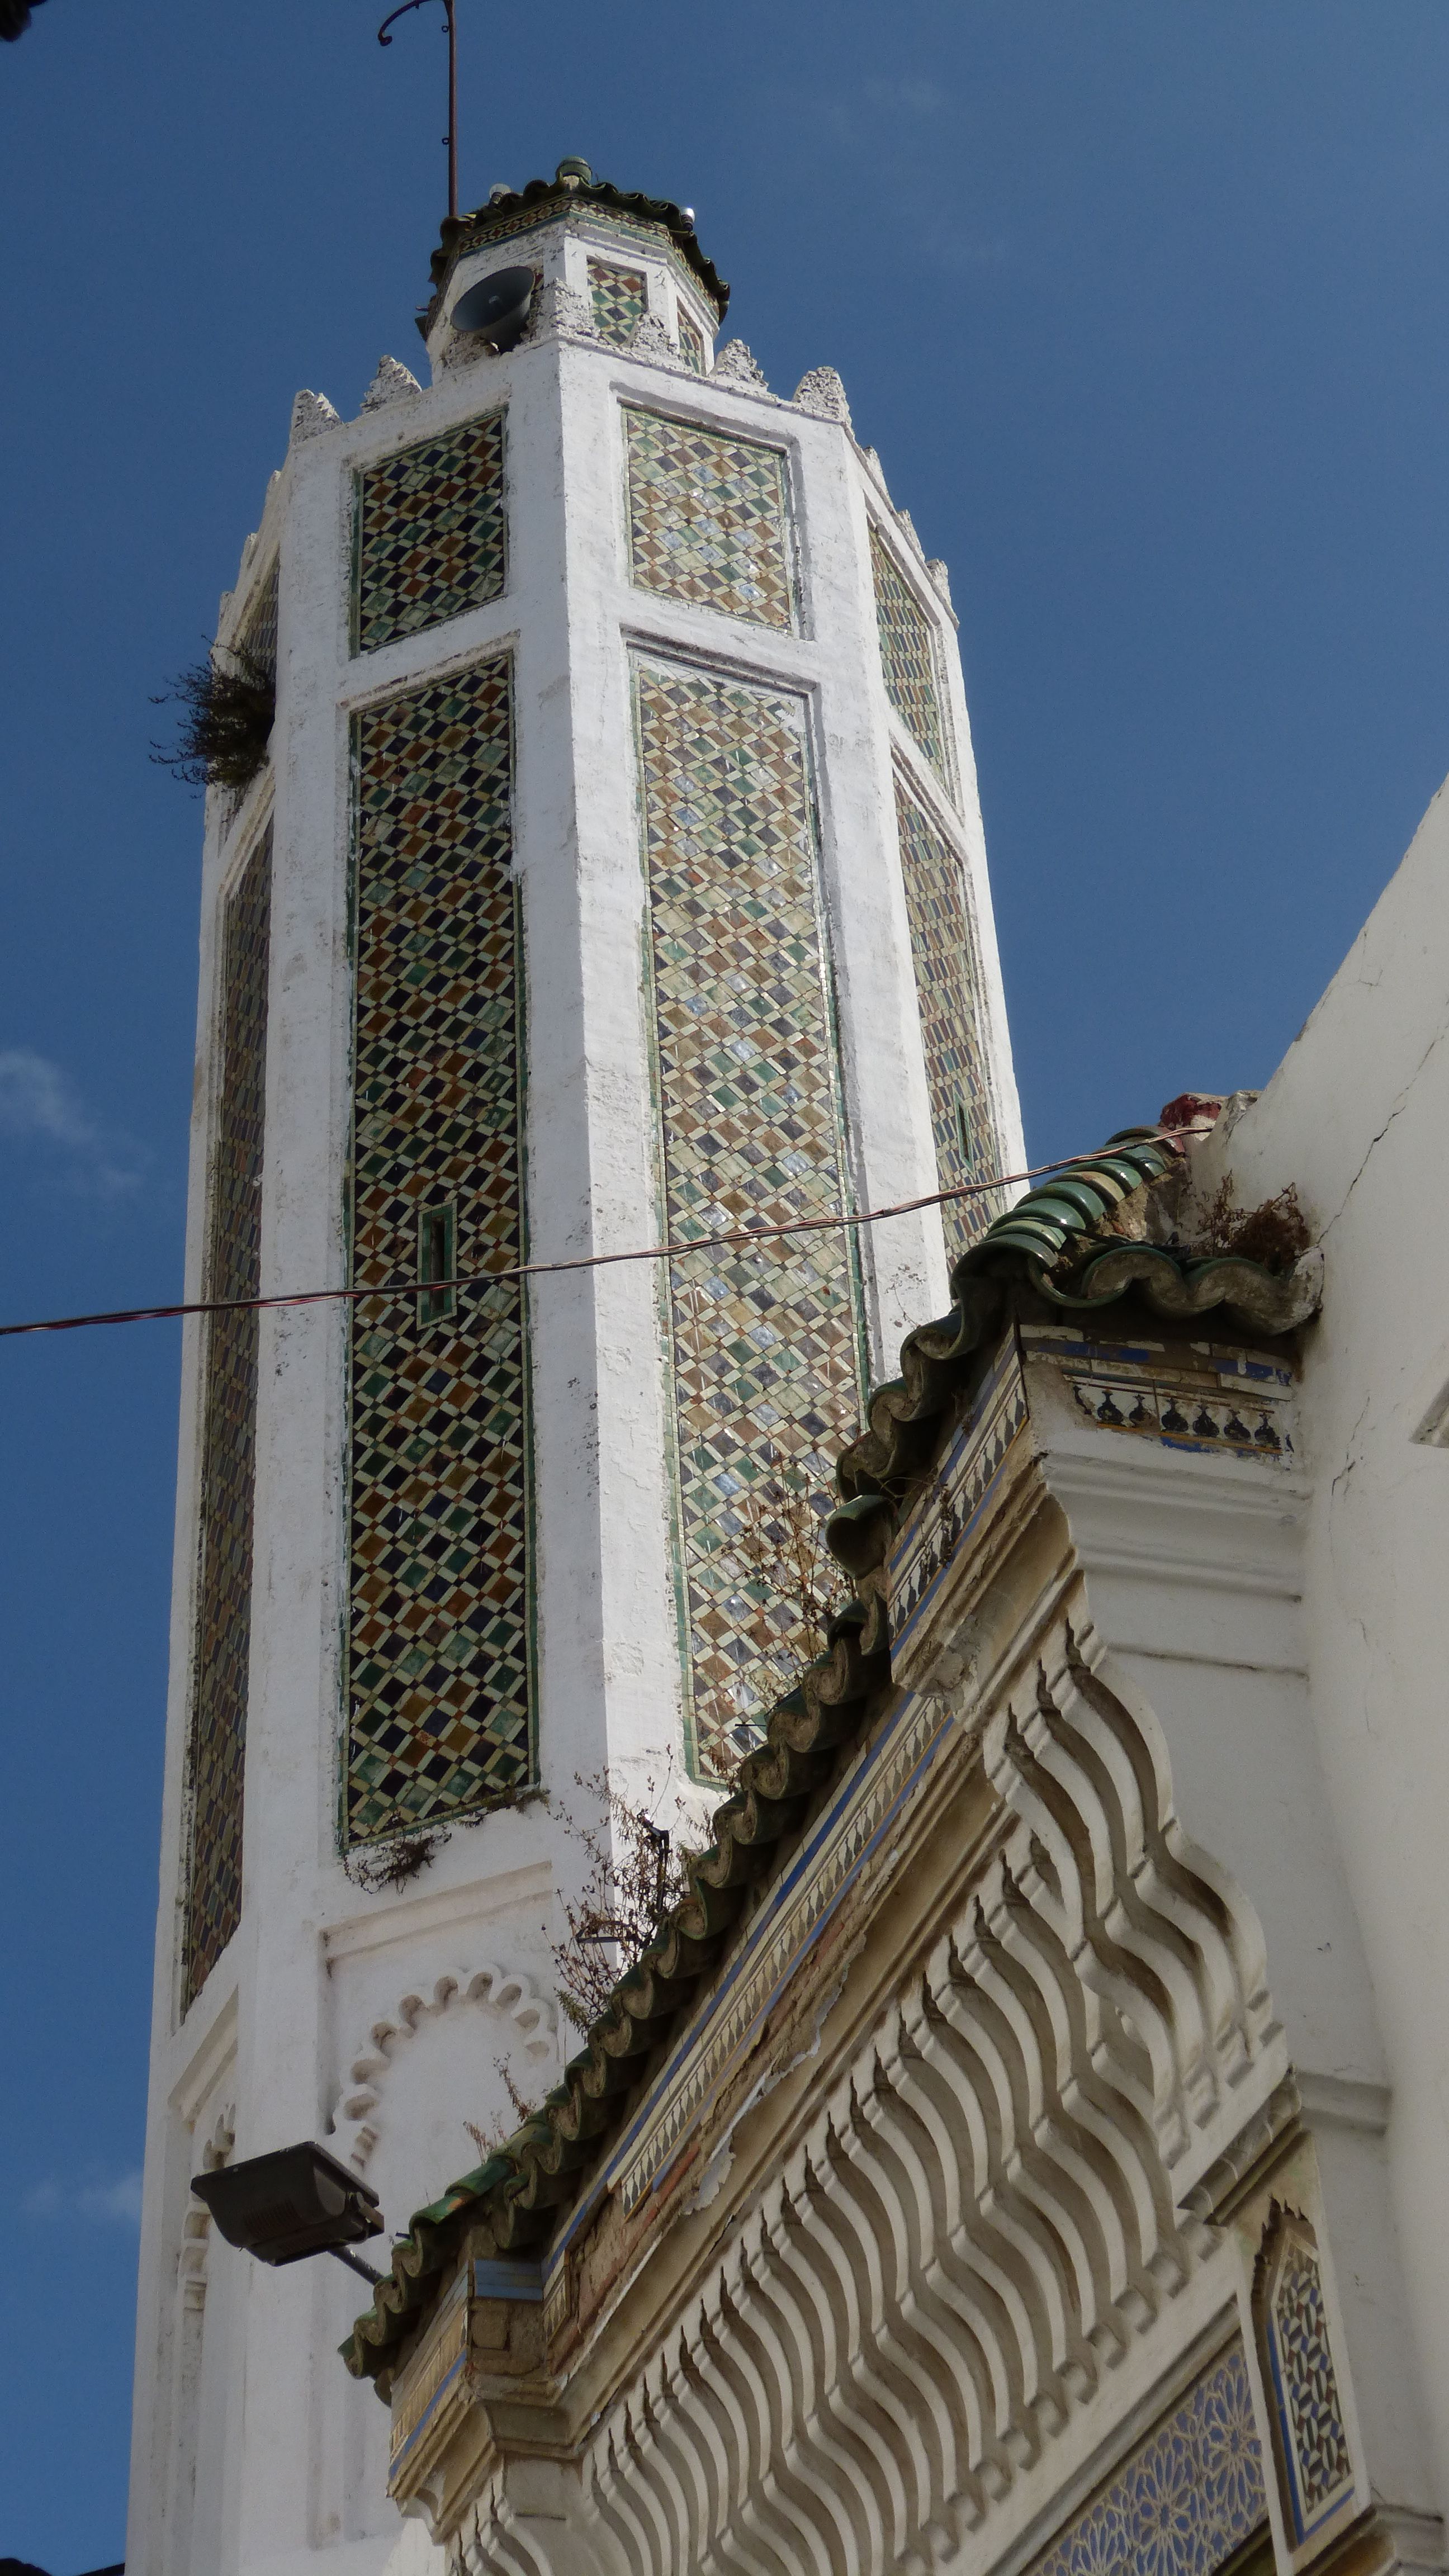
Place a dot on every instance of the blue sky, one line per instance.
(1143, 303)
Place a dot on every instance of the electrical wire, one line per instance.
(397, 1289)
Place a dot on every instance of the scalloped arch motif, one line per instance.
(196, 2227)
(505, 1990)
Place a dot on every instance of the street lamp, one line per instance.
(291, 2203)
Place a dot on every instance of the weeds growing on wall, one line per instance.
(635, 1873)
(229, 705)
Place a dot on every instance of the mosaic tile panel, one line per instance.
(439, 1652)
(258, 637)
(1305, 2385)
(620, 298)
(952, 1006)
(765, 1342)
(708, 518)
(691, 342)
(1188, 2498)
(430, 533)
(908, 655)
(217, 1749)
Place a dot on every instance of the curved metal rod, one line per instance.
(451, 137)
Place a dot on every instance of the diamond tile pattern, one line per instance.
(708, 518)
(907, 651)
(217, 1749)
(691, 342)
(952, 1005)
(766, 1345)
(258, 636)
(620, 299)
(439, 1699)
(1187, 2499)
(1305, 2387)
(430, 533)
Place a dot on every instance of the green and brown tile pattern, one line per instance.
(907, 651)
(691, 342)
(952, 1007)
(439, 1699)
(709, 519)
(216, 1751)
(620, 298)
(765, 1342)
(430, 533)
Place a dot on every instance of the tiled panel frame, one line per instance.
(908, 658)
(620, 298)
(709, 518)
(766, 1344)
(216, 1751)
(429, 532)
(952, 1003)
(691, 341)
(1189, 2498)
(440, 1646)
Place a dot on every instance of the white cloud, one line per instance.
(39, 1105)
(115, 2203)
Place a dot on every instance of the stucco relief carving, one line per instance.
(735, 365)
(653, 342)
(822, 393)
(986, 2217)
(391, 381)
(561, 308)
(311, 414)
(360, 2110)
(196, 2227)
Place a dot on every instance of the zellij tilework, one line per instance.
(708, 518)
(620, 300)
(258, 637)
(691, 342)
(952, 1007)
(1305, 2385)
(430, 533)
(908, 657)
(765, 1342)
(439, 1691)
(1186, 2500)
(217, 1749)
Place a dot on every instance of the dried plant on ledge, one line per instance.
(374, 1866)
(230, 705)
(636, 1873)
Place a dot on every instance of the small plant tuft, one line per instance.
(392, 1863)
(229, 705)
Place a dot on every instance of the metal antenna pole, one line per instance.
(451, 137)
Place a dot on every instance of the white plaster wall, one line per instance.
(1355, 1118)
(291, 2453)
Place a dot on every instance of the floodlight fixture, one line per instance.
(289, 2204)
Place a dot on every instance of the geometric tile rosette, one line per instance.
(439, 1701)
(1188, 2497)
(908, 656)
(708, 519)
(951, 1002)
(217, 1746)
(1304, 2382)
(765, 1341)
(430, 537)
(619, 297)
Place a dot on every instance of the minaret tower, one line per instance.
(615, 875)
